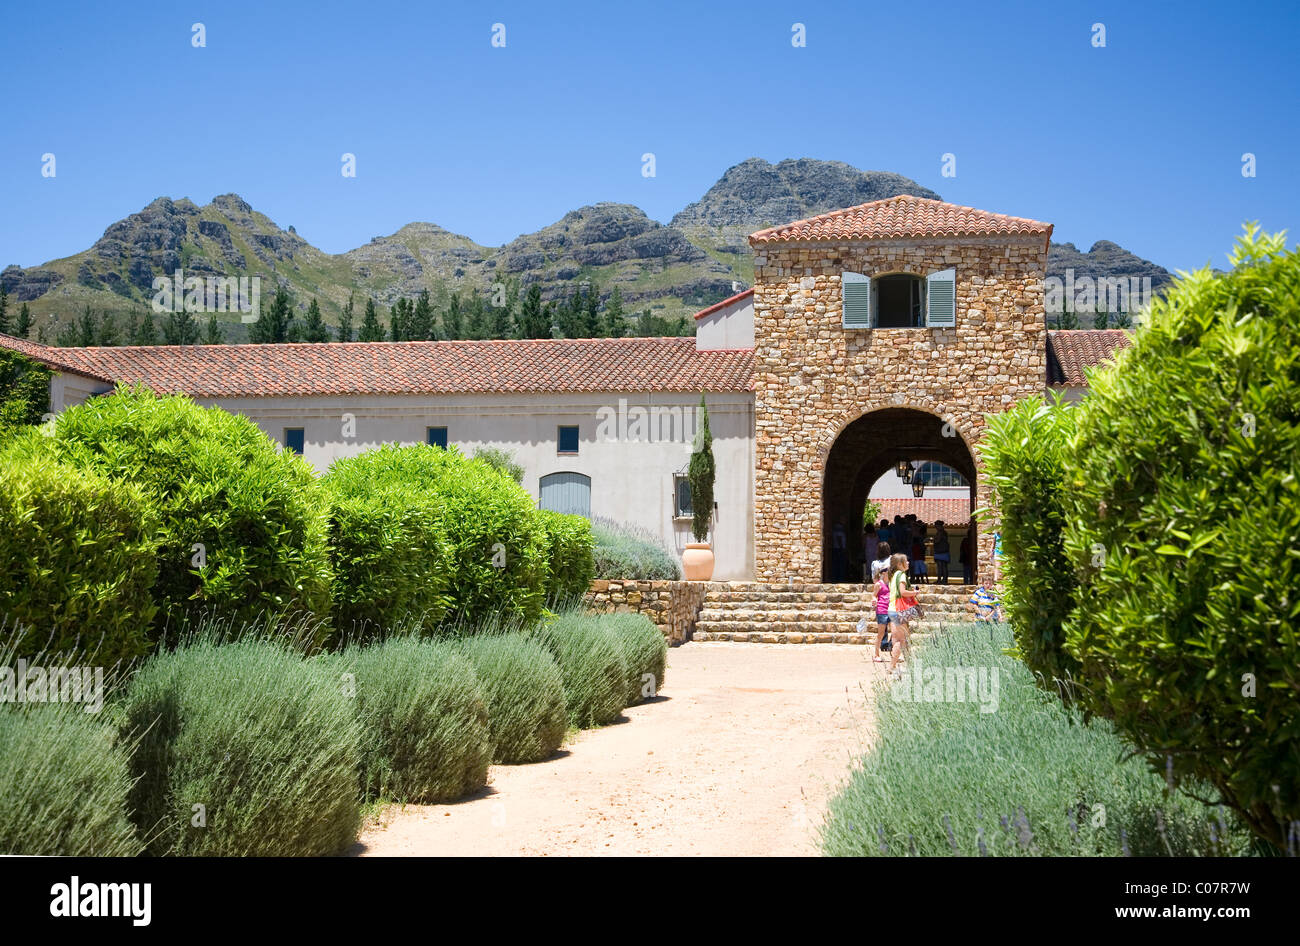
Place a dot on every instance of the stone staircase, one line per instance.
(760, 613)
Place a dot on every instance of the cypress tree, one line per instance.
(273, 324)
(213, 334)
(453, 326)
(146, 334)
(86, 334)
(314, 329)
(106, 335)
(4, 310)
(533, 321)
(615, 321)
(591, 324)
(345, 322)
(24, 326)
(371, 330)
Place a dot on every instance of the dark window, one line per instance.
(682, 507)
(436, 437)
(293, 439)
(568, 440)
(899, 301)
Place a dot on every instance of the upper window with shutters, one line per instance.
(899, 300)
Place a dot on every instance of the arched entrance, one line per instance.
(871, 446)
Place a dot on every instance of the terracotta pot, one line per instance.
(697, 561)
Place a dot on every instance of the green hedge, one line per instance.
(65, 781)
(77, 557)
(645, 651)
(388, 546)
(1185, 470)
(570, 562)
(524, 690)
(216, 481)
(266, 741)
(626, 551)
(1031, 777)
(593, 666)
(24, 391)
(425, 719)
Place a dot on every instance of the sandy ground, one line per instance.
(737, 756)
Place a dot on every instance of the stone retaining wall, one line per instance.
(673, 606)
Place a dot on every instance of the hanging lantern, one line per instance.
(918, 488)
(907, 475)
(903, 469)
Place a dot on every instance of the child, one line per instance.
(902, 609)
(987, 607)
(882, 617)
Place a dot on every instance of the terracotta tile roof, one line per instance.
(518, 366)
(953, 512)
(903, 216)
(1069, 352)
(724, 303)
(49, 355)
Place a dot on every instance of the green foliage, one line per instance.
(645, 653)
(424, 717)
(871, 512)
(1029, 778)
(24, 390)
(345, 321)
(570, 560)
(77, 556)
(496, 547)
(313, 329)
(503, 460)
(371, 330)
(701, 475)
(524, 690)
(591, 661)
(274, 322)
(66, 780)
(1185, 470)
(267, 742)
(388, 547)
(216, 481)
(1024, 451)
(626, 551)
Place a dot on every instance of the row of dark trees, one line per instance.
(1101, 318)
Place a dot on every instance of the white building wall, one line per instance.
(729, 327)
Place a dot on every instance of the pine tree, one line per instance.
(86, 333)
(453, 326)
(213, 336)
(615, 321)
(146, 334)
(1123, 319)
(345, 322)
(106, 336)
(4, 310)
(421, 328)
(314, 329)
(533, 321)
(371, 330)
(24, 326)
(181, 329)
(503, 316)
(592, 327)
(1100, 317)
(569, 316)
(274, 323)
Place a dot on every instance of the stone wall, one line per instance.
(812, 377)
(673, 606)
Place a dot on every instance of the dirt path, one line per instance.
(737, 756)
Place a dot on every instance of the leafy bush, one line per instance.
(645, 652)
(66, 783)
(266, 741)
(77, 557)
(1024, 453)
(388, 547)
(570, 560)
(1028, 778)
(524, 690)
(1185, 470)
(219, 483)
(592, 664)
(627, 551)
(495, 545)
(425, 719)
(502, 460)
(24, 391)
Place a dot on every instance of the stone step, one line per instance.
(752, 586)
(777, 599)
(778, 634)
(750, 612)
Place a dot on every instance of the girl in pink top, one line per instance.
(882, 613)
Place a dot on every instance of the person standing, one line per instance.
(870, 542)
(941, 553)
(902, 610)
(963, 557)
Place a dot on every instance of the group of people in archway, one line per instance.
(911, 537)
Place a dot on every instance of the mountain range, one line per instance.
(670, 269)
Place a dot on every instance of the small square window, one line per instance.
(682, 508)
(294, 439)
(436, 437)
(568, 439)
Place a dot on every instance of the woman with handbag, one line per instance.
(903, 609)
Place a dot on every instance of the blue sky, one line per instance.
(1139, 142)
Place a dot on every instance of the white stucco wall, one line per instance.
(730, 327)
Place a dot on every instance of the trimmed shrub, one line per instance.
(77, 557)
(592, 664)
(627, 551)
(1024, 451)
(571, 564)
(524, 690)
(219, 483)
(24, 391)
(424, 716)
(945, 776)
(644, 650)
(1185, 470)
(267, 742)
(495, 544)
(66, 784)
(388, 547)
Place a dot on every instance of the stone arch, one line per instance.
(862, 446)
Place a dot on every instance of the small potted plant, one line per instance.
(697, 560)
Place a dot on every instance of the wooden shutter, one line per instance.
(567, 492)
(941, 299)
(855, 291)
